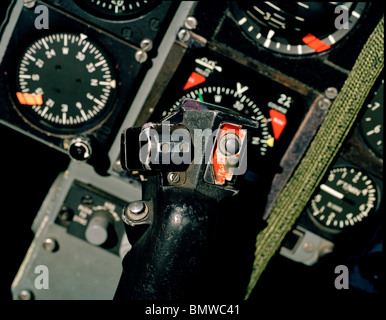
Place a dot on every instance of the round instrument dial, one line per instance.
(65, 84)
(371, 124)
(233, 99)
(345, 198)
(297, 28)
(117, 9)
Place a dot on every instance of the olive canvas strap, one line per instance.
(321, 152)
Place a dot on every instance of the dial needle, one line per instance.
(331, 191)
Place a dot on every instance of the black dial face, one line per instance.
(212, 79)
(347, 197)
(297, 28)
(65, 84)
(371, 124)
(117, 9)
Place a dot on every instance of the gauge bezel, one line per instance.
(251, 30)
(47, 128)
(348, 228)
(140, 12)
(376, 87)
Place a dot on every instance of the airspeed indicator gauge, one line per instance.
(345, 198)
(65, 84)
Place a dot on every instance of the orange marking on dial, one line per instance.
(315, 43)
(30, 99)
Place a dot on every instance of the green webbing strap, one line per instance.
(323, 148)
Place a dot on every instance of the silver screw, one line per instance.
(173, 177)
(190, 23)
(25, 295)
(136, 207)
(165, 147)
(184, 147)
(141, 56)
(324, 103)
(117, 166)
(29, 3)
(50, 245)
(331, 93)
(154, 24)
(127, 33)
(146, 45)
(308, 246)
(135, 211)
(183, 35)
